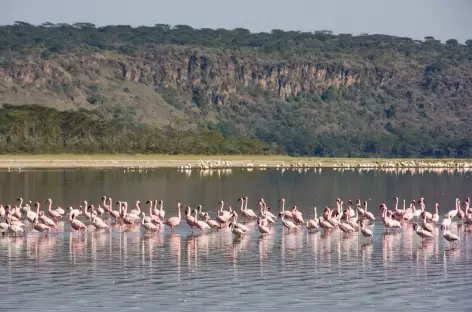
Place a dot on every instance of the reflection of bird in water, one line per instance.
(264, 244)
(41, 248)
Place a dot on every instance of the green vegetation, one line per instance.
(363, 96)
(36, 129)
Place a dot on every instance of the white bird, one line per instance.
(446, 222)
(237, 232)
(312, 224)
(452, 213)
(212, 223)
(450, 237)
(367, 233)
(422, 233)
(148, 226)
(262, 228)
(290, 225)
(97, 222)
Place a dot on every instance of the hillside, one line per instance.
(302, 93)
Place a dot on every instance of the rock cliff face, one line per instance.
(216, 78)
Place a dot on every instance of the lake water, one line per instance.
(128, 271)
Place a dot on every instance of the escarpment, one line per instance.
(218, 77)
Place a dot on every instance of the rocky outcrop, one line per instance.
(215, 77)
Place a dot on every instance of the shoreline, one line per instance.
(218, 162)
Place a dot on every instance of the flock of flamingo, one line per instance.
(349, 220)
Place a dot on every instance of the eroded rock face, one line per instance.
(218, 76)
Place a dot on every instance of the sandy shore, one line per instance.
(208, 162)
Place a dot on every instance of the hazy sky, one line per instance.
(442, 19)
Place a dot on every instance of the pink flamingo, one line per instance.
(189, 218)
(114, 213)
(297, 215)
(453, 213)
(427, 215)
(153, 218)
(40, 227)
(77, 225)
(174, 221)
(128, 219)
(201, 225)
(367, 214)
(47, 221)
(288, 214)
(55, 214)
(104, 203)
(460, 213)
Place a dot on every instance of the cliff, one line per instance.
(300, 91)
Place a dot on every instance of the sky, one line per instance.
(442, 19)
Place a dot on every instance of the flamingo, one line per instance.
(114, 213)
(460, 213)
(450, 237)
(427, 214)
(446, 222)
(136, 211)
(262, 229)
(312, 224)
(367, 233)
(153, 217)
(189, 218)
(201, 225)
(55, 214)
(248, 211)
(267, 211)
(234, 214)
(40, 227)
(76, 212)
(344, 226)
(45, 220)
(435, 217)
(14, 228)
(212, 223)
(104, 203)
(287, 214)
(222, 219)
(77, 225)
(425, 225)
(236, 231)
(100, 210)
(325, 224)
(201, 214)
(148, 226)
(87, 214)
(422, 233)
(453, 213)
(174, 221)
(290, 225)
(98, 223)
(297, 215)
(358, 207)
(128, 219)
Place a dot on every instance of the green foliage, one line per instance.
(36, 129)
(413, 98)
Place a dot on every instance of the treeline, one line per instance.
(36, 129)
(62, 38)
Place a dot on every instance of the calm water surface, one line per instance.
(127, 271)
